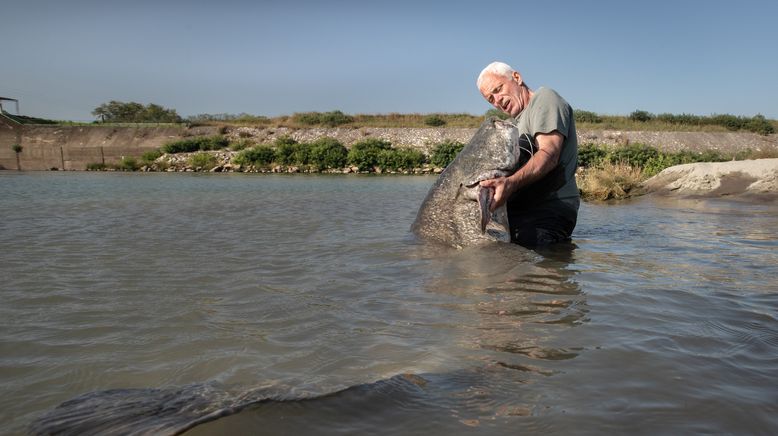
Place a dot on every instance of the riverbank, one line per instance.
(46, 147)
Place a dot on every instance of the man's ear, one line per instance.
(517, 77)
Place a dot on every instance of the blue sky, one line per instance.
(61, 59)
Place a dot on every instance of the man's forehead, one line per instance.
(491, 81)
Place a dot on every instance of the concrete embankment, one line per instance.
(47, 147)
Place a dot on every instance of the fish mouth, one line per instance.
(485, 200)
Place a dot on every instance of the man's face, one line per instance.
(503, 92)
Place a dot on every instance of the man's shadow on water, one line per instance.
(521, 304)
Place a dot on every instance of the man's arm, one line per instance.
(544, 160)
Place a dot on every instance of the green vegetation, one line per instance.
(329, 119)
(582, 116)
(132, 112)
(199, 143)
(128, 163)
(96, 166)
(445, 152)
(242, 118)
(328, 153)
(150, 156)
(202, 160)
(496, 113)
(401, 159)
(648, 159)
(260, 155)
(643, 120)
(434, 121)
(365, 154)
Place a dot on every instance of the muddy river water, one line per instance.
(304, 304)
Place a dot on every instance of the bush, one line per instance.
(202, 160)
(95, 166)
(636, 155)
(199, 143)
(301, 153)
(496, 113)
(335, 118)
(330, 119)
(641, 116)
(400, 159)
(731, 122)
(328, 153)
(758, 124)
(589, 155)
(259, 156)
(128, 163)
(240, 144)
(365, 154)
(445, 152)
(151, 156)
(434, 121)
(582, 116)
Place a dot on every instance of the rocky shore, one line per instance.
(182, 162)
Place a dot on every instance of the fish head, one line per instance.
(494, 153)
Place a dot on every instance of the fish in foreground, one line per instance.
(456, 211)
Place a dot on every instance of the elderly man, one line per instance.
(542, 197)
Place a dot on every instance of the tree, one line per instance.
(132, 112)
(17, 148)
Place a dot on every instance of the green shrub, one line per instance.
(731, 122)
(301, 153)
(590, 155)
(445, 152)
(260, 155)
(330, 119)
(641, 116)
(758, 124)
(199, 143)
(95, 166)
(365, 154)
(151, 156)
(328, 153)
(434, 120)
(335, 118)
(202, 160)
(400, 159)
(241, 144)
(128, 163)
(636, 155)
(582, 116)
(496, 113)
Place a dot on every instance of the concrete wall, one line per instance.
(47, 147)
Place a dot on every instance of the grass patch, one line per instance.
(202, 160)
(199, 143)
(609, 181)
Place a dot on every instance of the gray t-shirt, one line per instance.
(546, 112)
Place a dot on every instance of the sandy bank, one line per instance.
(748, 177)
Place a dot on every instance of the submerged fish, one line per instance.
(456, 209)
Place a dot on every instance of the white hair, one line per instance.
(497, 68)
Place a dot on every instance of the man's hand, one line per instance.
(503, 188)
(544, 160)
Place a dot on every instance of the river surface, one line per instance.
(661, 318)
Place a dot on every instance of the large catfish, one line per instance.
(456, 209)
